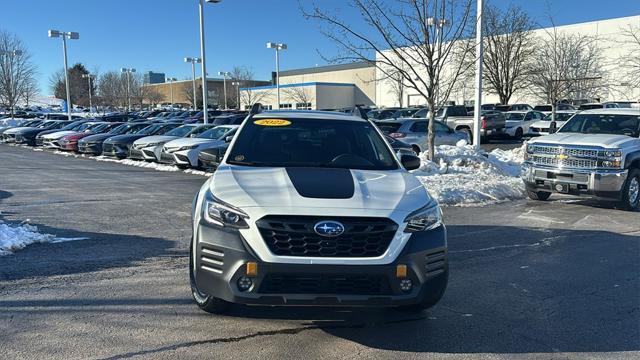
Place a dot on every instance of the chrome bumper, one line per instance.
(605, 183)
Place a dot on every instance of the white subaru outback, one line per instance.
(314, 208)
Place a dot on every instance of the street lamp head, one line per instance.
(73, 35)
(132, 70)
(188, 59)
(213, 1)
(54, 33)
(271, 45)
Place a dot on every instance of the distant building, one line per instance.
(316, 88)
(151, 77)
(181, 92)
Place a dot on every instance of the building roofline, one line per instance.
(282, 86)
(327, 68)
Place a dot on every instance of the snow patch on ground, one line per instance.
(16, 237)
(465, 176)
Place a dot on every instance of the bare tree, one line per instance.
(418, 39)
(16, 70)
(631, 62)
(509, 46)
(151, 95)
(187, 92)
(565, 66)
(30, 90)
(299, 95)
(111, 89)
(248, 96)
(395, 80)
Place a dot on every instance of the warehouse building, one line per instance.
(320, 87)
(180, 92)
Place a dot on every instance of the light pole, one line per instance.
(8, 54)
(193, 62)
(205, 111)
(278, 47)
(89, 77)
(171, 80)
(224, 75)
(128, 71)
(72, 36)
(477, 111)
(237, 85)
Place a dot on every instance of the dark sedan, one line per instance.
(93, 144)
(28, 136)
(8, 134)
(119, 146)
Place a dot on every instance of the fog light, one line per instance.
(406, 285)
(244, 283)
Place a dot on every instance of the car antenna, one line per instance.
(358, 111)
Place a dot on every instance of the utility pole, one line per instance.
(477, 112)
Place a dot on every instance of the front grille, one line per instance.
(564, 157)
(39, 141)
(294, 236)
(567, 163)
(325, 284)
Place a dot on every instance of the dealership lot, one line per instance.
(528, 280)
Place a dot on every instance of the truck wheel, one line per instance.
(205, 302)
(469, 133)
(436, 288)
(519, 134)
(416, 149)
(538, 195)
(631, 191)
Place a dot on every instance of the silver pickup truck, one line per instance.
(492, 123)
(596, 152)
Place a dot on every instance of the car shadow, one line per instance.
(84, 252)
(511, 290)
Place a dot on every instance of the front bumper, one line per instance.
(601, 183)
(116, 150)
(90, 148)
(221, 257)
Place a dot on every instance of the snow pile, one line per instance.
(16, 237)
(465, 176)
(138, 163)
(10, 122)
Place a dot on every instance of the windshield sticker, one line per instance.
(272, 122)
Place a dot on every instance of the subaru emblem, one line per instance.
(328, 228)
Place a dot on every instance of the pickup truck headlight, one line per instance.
(610, 159)
(427, 218)
(218, 213)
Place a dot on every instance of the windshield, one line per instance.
(98, 127)
(85, 126)
(72, 126)
(603, 124)
(215, 133)
(514, 116)
(559, 117)
(542, 108)
(127, 128)
(312, 143)
(180, 131)
(154, 129)
(200, 129)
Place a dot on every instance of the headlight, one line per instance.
(150, 145)
(189, 147)
(612, 153)
(424, 219)
(218, 213)
(610, 158)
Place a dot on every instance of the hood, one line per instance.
(59, 134)
(129, 138)
(318, 187)
(43, 133)
(193, 141)
(30, 130)
(97, 137)
(154, 139)
(16, 130)
(602, 140)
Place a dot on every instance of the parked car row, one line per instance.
(157, 138)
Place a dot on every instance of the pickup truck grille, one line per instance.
(564, 157)
(294, 236)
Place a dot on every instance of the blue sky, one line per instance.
(157, 34)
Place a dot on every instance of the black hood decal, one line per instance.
(322, 183)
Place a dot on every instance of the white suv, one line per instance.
(314, 208)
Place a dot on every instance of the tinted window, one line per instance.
(388, 127)
(313, 143)
(422, 113)
(440, 127)
(180, 131)
(603, 124)
(559, 117)
(214, 134)
(514, 116)
(543, 108)
(419, 126)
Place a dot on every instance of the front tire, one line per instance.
(538, 195)
(519, 134)
(630, 199)
(205, 302)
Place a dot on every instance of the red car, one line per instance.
(70, 142)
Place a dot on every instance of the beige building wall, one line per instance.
(614, 50)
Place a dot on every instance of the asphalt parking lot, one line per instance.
(554, 280)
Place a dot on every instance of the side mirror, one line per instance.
(410, 162)
(228, 139)
(553, 127)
